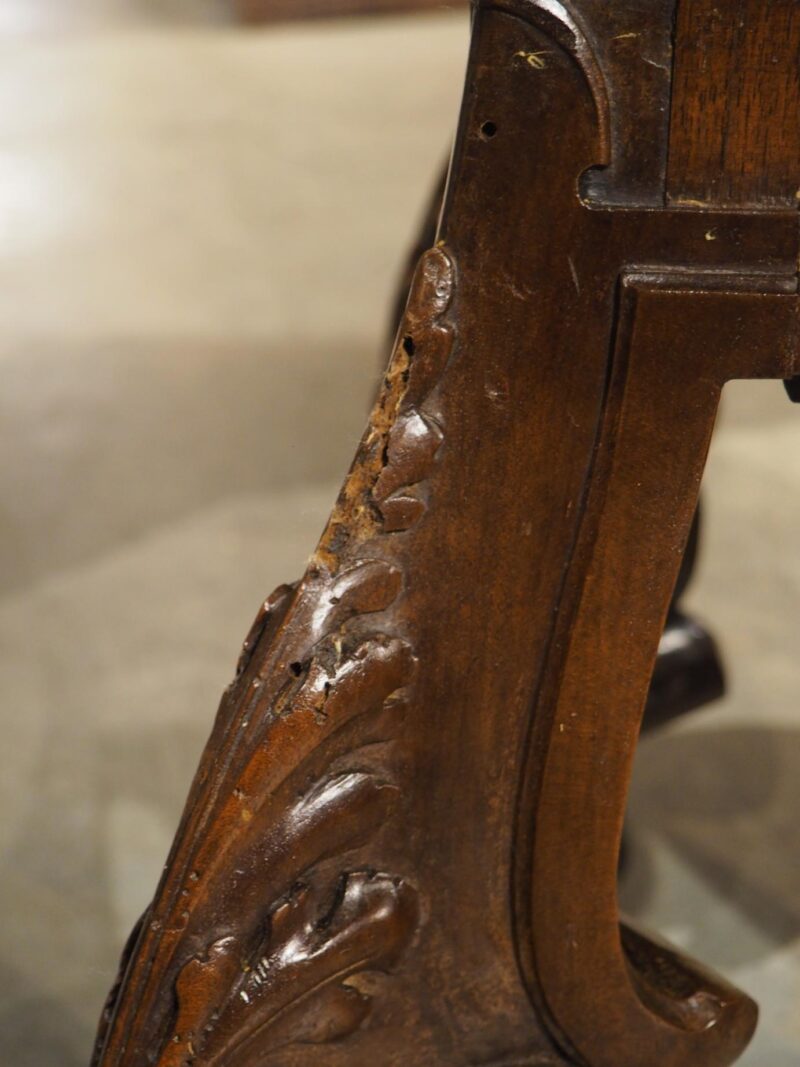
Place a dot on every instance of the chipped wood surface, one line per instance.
(402, 843)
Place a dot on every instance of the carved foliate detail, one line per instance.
(290, 986)
(260, 925)
(396, 453)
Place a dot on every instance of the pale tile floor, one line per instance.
(199, 232)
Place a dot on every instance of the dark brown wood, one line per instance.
(736, 135)
(402, 842)
(688, 672)
(283, 10)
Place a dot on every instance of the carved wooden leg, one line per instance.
(401, 845)
(688, 672)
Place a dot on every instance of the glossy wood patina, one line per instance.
(402, 842)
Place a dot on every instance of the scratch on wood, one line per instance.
(533, 59)
(516, 292)
(574, 274)
(658, 66)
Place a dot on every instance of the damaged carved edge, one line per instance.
(258, 934)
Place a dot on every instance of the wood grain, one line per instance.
(735, 130)
(402, 843)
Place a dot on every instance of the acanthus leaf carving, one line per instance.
(311, 946)
(250, 928)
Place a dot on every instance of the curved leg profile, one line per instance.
(402, 841)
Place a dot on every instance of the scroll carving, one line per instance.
(552, 477)
(310, 947)
(261, 926)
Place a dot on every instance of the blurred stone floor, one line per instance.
(200, 228)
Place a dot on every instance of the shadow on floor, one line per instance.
(726, 803)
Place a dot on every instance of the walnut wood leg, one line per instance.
(401, 844)
(688, 672)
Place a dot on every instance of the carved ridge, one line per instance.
(562, 24)
(253, 933)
